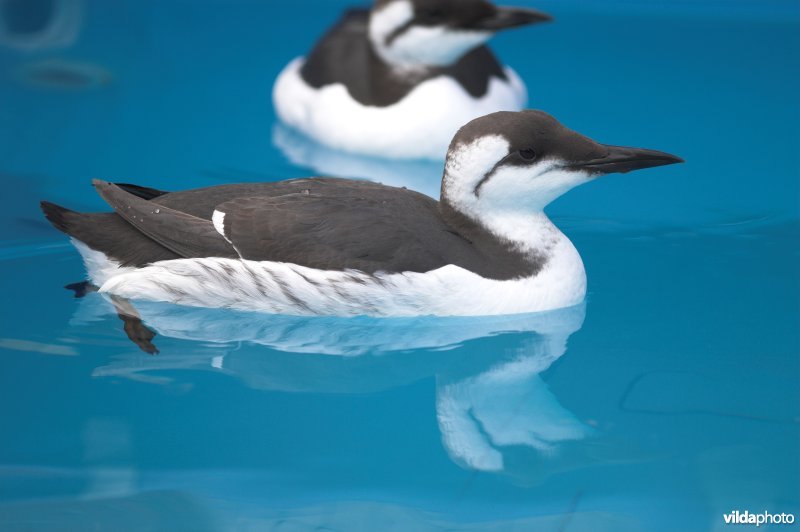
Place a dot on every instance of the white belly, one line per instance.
(421, 125)
(283, 288)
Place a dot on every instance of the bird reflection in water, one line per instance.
(491, 403)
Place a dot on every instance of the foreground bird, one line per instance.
(341, 247)
(381, 76)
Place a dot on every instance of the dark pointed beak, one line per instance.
(510, 17)
(621, 159)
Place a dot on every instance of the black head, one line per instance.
(526, 159)
(406, 30)
(478, 15)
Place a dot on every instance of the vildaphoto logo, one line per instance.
(764, 518)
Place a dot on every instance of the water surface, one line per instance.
(667, 400)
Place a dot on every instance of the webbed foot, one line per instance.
(82, 289)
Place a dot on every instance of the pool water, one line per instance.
(667, 400)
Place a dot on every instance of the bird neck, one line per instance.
(531, 233)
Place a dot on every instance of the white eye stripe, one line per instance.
(503, 162)
(398, 32)
(488, 175)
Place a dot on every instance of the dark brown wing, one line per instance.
(323, 223)
(201, 202)
(184, 234)
(382, 229)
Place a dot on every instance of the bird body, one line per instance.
(380, 76)
(322, 246)
(391, 253)
(330, 115)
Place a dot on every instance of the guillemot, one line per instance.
(415, 65)
(320, 246)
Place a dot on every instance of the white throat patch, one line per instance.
(511, 201)
(418, 46)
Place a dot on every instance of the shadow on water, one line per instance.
(62, 74)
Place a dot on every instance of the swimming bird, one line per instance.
(320, 246)
(379, 77)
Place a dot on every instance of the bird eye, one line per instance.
(527, 153)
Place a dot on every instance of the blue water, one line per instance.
(669, 399)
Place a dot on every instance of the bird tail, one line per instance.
(84, 225)
(107, 233)
(63, 219)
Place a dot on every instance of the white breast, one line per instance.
(421, 125)
(283, 288)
